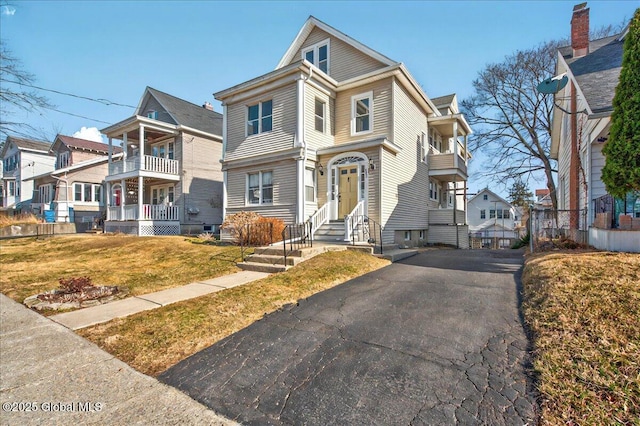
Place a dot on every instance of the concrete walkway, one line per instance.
(102, 313)
(50, 375)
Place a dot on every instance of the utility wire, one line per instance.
(100, 100)
(76, 115)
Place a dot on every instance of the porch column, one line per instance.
(107, 203)
(124, 147)
(109, 153)
(455, 144)
(141, 137)
(123, 197)
(466, 156)
(140, 197)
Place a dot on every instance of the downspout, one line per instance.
(300, 130)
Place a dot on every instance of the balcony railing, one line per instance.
(445, 162)
(149, 163)
(149, 212)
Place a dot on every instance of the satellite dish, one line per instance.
(553, 85)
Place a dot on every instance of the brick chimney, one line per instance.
(580, 30)
(208, 105)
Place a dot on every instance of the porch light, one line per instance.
(320, 169)
(371, 165)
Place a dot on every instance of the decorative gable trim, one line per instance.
(306, 29)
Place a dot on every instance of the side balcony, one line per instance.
(146, 166)
(447, 166)
(447, 217)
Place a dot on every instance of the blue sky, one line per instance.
(191, 49)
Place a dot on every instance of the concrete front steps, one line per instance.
(332, 231)
(271, 259)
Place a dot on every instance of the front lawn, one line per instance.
(583, 309)
(153, 341)
(143, 264)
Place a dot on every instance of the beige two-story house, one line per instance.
(169, 179)
(341, 133)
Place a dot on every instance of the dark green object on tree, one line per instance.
(621, 173)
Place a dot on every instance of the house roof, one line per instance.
(313, 22)
(85, 144)
(186, 113)
(598, 72)
(24, 144)
(488, 191)
(443, 100)
(77, 166)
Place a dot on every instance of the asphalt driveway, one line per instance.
(434, 339)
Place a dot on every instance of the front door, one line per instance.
(348, 189)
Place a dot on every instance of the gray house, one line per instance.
(169, 179)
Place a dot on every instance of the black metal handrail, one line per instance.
(254, 235)
(295, 237)
(369, 229)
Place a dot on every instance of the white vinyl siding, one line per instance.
(314, 138)
(345, 61)
(239, 145)
(362, 114)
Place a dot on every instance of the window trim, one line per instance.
(423, 150)
(316, 54)
(354, 100)
(93, 187)
(314, 186)
(407, 234)
(260, 118)
(483, 214)
(260, 189)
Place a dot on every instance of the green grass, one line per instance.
(583, 309)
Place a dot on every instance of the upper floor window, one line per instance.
(260, 117)
(492, 214)
(10, 163)
(485, 197)
(320, 110)
(483, 214)
(362, 113)
(12, 189)
(63, 160)
(318, 55)
(260, 188)
(163, 150)
(506, 214)
(423, 152)
(310, 185)
(152, 114)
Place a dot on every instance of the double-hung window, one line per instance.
(483, 214)
(260, 118)
(63, 160)
(320, 112)
(492, 214)
(423, 152)
(318, 55)
(260, 188)
(12, 189)
(310, 185)
(362, 113)
(87, 192)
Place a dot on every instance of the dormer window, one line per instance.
(318, 55)
(63, 160)
(152, 114)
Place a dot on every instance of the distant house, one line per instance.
(491, 217)
(168, 180)
(74, 191)
(340, 136)
(543, 200)
(580, 127)
(21, 159)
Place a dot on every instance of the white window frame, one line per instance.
(310, 173)
(46, 193)
(261, 201)
(423, 152)
(169, 149)
(483, 214)
(11, 190)
(354, 101)
(168, 197)
(93, 188)
(407, 235)
(317, 117)
(63, 159)
(260, 118)
(152, 114)
(315, 48)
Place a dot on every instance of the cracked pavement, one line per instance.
(434, 339)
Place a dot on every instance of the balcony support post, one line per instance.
(124, 148)
(466, 156)
(141, 137)
(123, 197)
(455, 144)
(140, 197)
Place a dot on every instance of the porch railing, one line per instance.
(149, 163)
(349, 225)
(149, 212)
(295, 237)
(319, 218)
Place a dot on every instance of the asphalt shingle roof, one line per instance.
(188, 114)
(72, 142)
(598, 72)
(31, 144)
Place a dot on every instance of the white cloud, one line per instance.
(89, 133)
(8, 10)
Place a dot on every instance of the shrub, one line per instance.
(522, 242)
(249, 228)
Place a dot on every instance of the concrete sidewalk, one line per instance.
(102, 313)
(50, 375)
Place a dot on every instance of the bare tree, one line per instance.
(14, 96)
(511, 120)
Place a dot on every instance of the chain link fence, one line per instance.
(558, 229)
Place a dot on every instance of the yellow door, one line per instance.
(348, 190)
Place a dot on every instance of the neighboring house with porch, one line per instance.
(340, 132)
(580, 128)
(22, 159)
(74, 191)
(168, 180)
(492, 218)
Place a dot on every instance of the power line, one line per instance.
(98, 100)
(77, 115)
